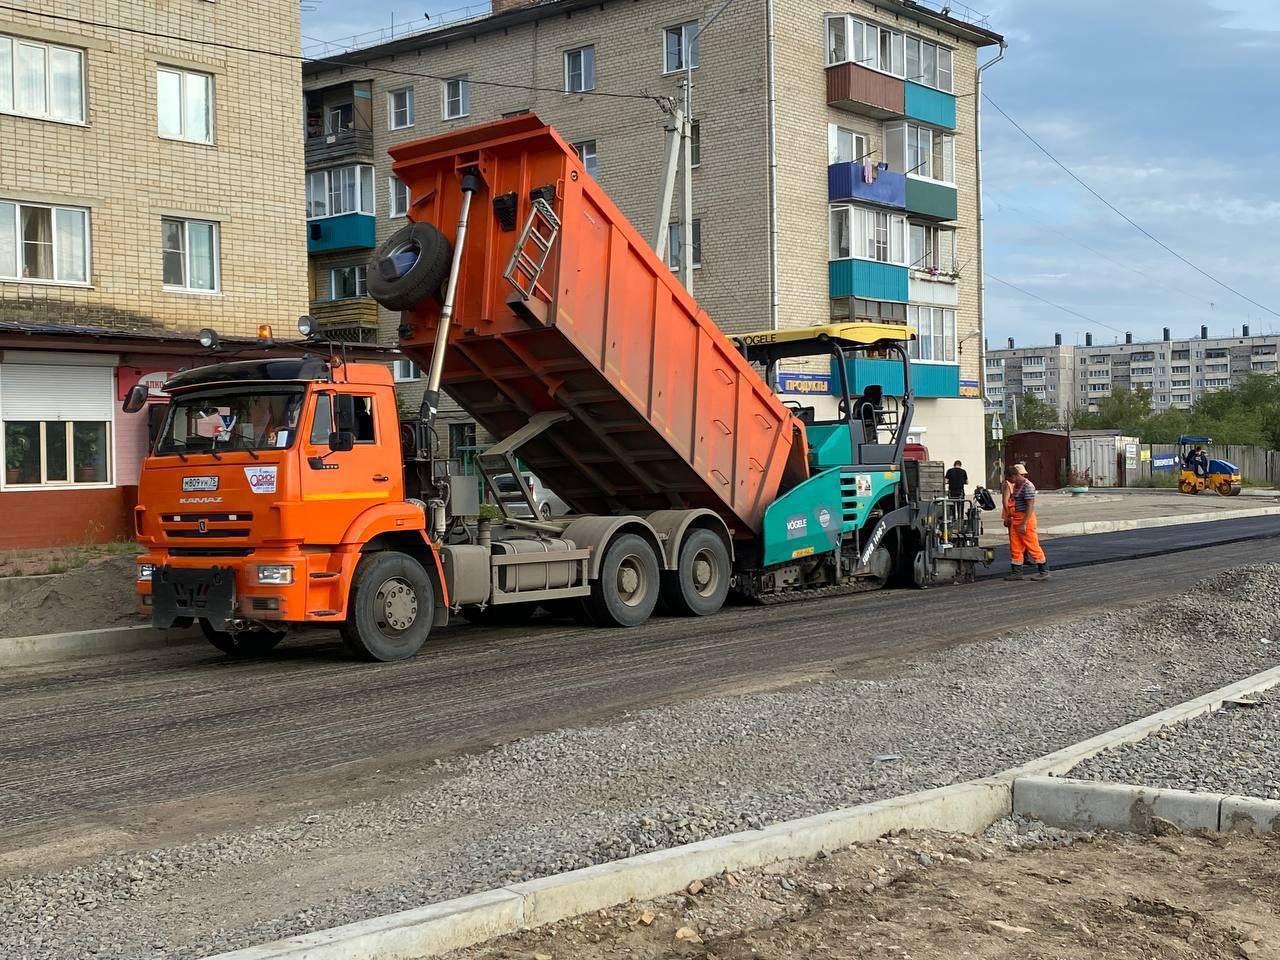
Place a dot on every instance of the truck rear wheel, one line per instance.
(246, 643)
(629, 583)
(699, 585)
(391, 607)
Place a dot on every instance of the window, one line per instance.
(587, 154)
(933, 249)
(398, 194)
(405, 370)
(322, 420)
(462, 439)
(674, 245)
(347, 283)
(364, 431)
(878, 311)
(681, 47)
(845, 145)
(919, 151)
(837, 40)
(867, 234)
(190, 254)
(580, 70)
(40, 452)
(41, 80)
(929, 64)
(331, 193)
(457, 98)
(695, 143)
(935, 334)
(339, 117)
(44, 243)
(400, 108)
(184, 102)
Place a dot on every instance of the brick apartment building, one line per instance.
(843, 139)
(148, 187)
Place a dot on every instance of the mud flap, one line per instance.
(199, 594)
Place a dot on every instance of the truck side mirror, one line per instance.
(136, 398)
(343, 437)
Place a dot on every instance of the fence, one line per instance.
(1258, 465)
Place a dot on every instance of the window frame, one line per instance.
(942, 326)
(19, 242)
(861, 143)
(394, 186)
(689, 52)
(409, 109)
(464, 98)
(581, 53)
(398, 376)
(70, 483)
(327, 173)
(592, 166)
(898, 137)
(12, 108)
(184, 75)
(870, 230)
(216, 250)
(361, 282)
(939, 246)
(674, 244)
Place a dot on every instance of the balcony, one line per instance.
(348, 231)
(868, 93)
(927, 379)
(868, 279)
(929, 105)
(845, 181)
(355, 319)
(936, 201)
(345, 146)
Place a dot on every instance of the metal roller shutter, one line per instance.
(39, 392)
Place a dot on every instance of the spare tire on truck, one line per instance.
(412, 265)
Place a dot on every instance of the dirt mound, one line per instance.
(100, 594)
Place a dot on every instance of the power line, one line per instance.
(1124, 216)
(1050, 303)
(299, 58)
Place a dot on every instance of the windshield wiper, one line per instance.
(246, 448)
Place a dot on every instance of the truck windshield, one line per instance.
(231, 420)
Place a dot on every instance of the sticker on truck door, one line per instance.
(261, 479)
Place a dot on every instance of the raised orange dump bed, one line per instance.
(664, 411)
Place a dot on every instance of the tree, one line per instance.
(1124, 410)
(1035, 414)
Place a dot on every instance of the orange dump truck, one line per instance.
(285, 493)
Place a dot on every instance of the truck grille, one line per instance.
(244, 517)
(199, 526)
(214, 533)
(211, 551)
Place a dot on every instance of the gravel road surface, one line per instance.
(651, 779)
(1235, 750)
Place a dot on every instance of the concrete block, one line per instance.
(422, 932)
(50, 647)
(1087, 805)
(1249, 815)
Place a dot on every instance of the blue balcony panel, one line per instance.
(868, 279)
(930, 106)
(350, 231)
(845, 182)
(927, 379)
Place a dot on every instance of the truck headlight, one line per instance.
(276, 574)
(145, 570)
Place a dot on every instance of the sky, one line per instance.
(1164, 107)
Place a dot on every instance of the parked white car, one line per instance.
(549, 505)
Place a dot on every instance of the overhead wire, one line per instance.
(1050, 303)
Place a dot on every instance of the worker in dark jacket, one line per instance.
(956, 479)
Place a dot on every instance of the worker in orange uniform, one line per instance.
(1024, 542)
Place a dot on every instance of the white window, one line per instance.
(340, 190)
(674, 245)
(41, 80)
(400, 108)
(347, 283)
(587, 154)
(398, 196)
(935, 334)
(867, 234)
(57, 452)
(695, 143)
(841, 232)
(837, 39)
(456, 98)
(845, 145)
(184, 103)
(39, 242)
(339, 117)
(405, 370)
(920, 151)
(190, 254)
(933, 249)
(680, 47)
(580, 70)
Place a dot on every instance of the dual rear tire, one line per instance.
(631, 582)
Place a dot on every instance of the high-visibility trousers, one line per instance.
(1023, 546)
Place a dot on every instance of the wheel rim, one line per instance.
(395, 606)
(632, 581)
(705, 573)
(405, 256)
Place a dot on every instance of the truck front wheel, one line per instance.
(699, 587)
(391, 607)
(627, 589)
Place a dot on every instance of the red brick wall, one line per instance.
(56, 518)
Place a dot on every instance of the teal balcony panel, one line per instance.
(350, 231)
(868, 279)
(930, 106)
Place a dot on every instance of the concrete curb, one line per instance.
(1086, 527)
(51, 647)
(968, 807)
(13, 587)
(1071, 804)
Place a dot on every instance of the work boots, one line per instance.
(1042, 572)
(1015, 573)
